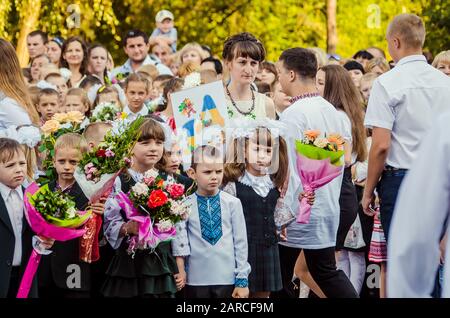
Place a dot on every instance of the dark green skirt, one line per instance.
(148, 274)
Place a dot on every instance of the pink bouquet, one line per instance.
(157, 205)
(318, 163)
(53, 215)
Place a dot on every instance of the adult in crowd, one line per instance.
(15, 103)
(163, 52)
(402, 107)
(192, 52)
(136, 47)
(442, 62)
(211, 63)
(36, 42)
(54, 49)
(97, 60)
(316, 263)
(74, 58)
(243, 54)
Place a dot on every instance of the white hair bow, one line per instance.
(25, 135)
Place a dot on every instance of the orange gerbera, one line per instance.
(311, 134)
(336, 138)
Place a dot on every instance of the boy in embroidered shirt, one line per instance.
(165, 31)
(214, 238)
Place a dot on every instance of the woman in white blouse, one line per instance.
(16, 107)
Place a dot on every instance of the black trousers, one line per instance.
(288, 257)
(333, 282)
(14, 282)
(215, 291)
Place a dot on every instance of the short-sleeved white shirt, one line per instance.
(405, 100)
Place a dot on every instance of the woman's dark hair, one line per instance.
(94, 46)
(171, 86)
(302, 61)
(217, 64)
(89, 80)
(363, 54)
(243, 45)
(63, 62)
(134, 34)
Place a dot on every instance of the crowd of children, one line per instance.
(230, 246)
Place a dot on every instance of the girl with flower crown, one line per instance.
(149, 273)
(256, 169)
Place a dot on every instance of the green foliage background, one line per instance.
(278, 23)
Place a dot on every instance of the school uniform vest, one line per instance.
(258, 214)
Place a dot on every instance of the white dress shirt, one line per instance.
(132, 116)
(11, 113)
(418, 224)
(320, 232)
(405, 101)
(149, 60)
(13, 199)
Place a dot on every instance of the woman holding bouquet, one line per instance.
(148, 272)
(243, 54)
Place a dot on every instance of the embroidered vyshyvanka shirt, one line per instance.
(214, 241)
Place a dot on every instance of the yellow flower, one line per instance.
(74, 117)
(50, 126)
(60, 117)
(123, 115)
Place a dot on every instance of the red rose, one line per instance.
(101, 153)
(156, 199)
(175, 190)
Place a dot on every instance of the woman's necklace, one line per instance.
(248, 113)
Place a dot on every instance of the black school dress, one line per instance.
(148, 275)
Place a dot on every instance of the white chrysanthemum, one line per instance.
(120, 126)
(164, 225)
(105, 107)
(140, 189)
(321, 142)
(71, 213)
(152, 173)
(192, 80)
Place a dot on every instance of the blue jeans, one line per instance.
(387, 188)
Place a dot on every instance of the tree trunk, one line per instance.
(28, 22)
(331, 26)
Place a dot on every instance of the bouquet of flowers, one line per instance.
(97, 171)
(318, 163)
(60, 124)
(53, 215)
(105, 112)
(157, 205)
